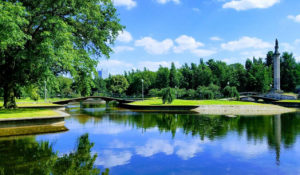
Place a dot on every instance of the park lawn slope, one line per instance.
(26, 113)
(179, 102)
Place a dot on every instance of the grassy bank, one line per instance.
(25, 113)
(24, 102)
(193, 102)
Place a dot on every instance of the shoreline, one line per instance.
(245, 110)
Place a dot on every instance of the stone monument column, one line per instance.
(276, 64)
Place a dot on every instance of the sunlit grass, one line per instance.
(193, 102)
(25, 113)
(290, 101)
(24, 102)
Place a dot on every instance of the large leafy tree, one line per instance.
(45, 38)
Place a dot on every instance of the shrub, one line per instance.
(168, 95)
(231, 92)
(155, 93)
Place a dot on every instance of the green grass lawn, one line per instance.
(290, 101)
(193, 102)
(25, 113)
(23, 102)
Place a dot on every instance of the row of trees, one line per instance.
(206, 80)
(211, 79)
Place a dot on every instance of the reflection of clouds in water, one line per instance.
(119, 144)
(241, 146)
(110, 159)
(187, 150)
(184, 149)
(154, 146)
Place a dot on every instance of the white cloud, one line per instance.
(111, 159)
(297, 41)
(250, 4)
(286, 47)
(154, 65)
(188, 43)
(294, 18)
(124, 36)
(246, 42)
(166, 1)
(153, 46)
(185, 42)
(255, 53)
(203, 52)
(155, 146)
(196, 9)
(129, 4)
(215, 38)
(119, 49)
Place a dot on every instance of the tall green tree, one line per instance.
(288, 72)
(162, 78)
(117, 84)
(49, 37)
(174, 78)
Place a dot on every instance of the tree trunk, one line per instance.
(9, 96)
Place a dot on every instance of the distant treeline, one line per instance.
(203, 80)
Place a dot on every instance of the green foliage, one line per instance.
(49, 38)
(64, 86)
(210, 92)
(155, 93)
(174, 78)
(168, 95)
(117, 84)
(162, 78)
(288, 73)
(32, 91)
(229, 91)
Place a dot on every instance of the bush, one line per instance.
(191, 93)
(168, 95)
(231, 92)
(155, 93)
(210, 92)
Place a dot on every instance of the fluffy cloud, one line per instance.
(111, 159)
(153, 46)
(215, 38)
(119, 49)
(244, 43)
(186, 43)
(165, 1)
(127, 3)
(124, 36)
(294, 18)
(249, 4)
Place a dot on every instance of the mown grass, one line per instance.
(193, 102)
(25, 113)
(290, 101)
(23, 102)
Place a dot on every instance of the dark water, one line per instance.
(120, 142)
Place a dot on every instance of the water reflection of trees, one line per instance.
(27, 156)
(256, 128)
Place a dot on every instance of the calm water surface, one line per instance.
(128, 142)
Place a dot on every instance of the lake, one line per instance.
(123, 142)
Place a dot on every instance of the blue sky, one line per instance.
(159, 32)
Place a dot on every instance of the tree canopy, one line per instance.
(45, 38)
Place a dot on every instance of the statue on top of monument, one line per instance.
(276, 47)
